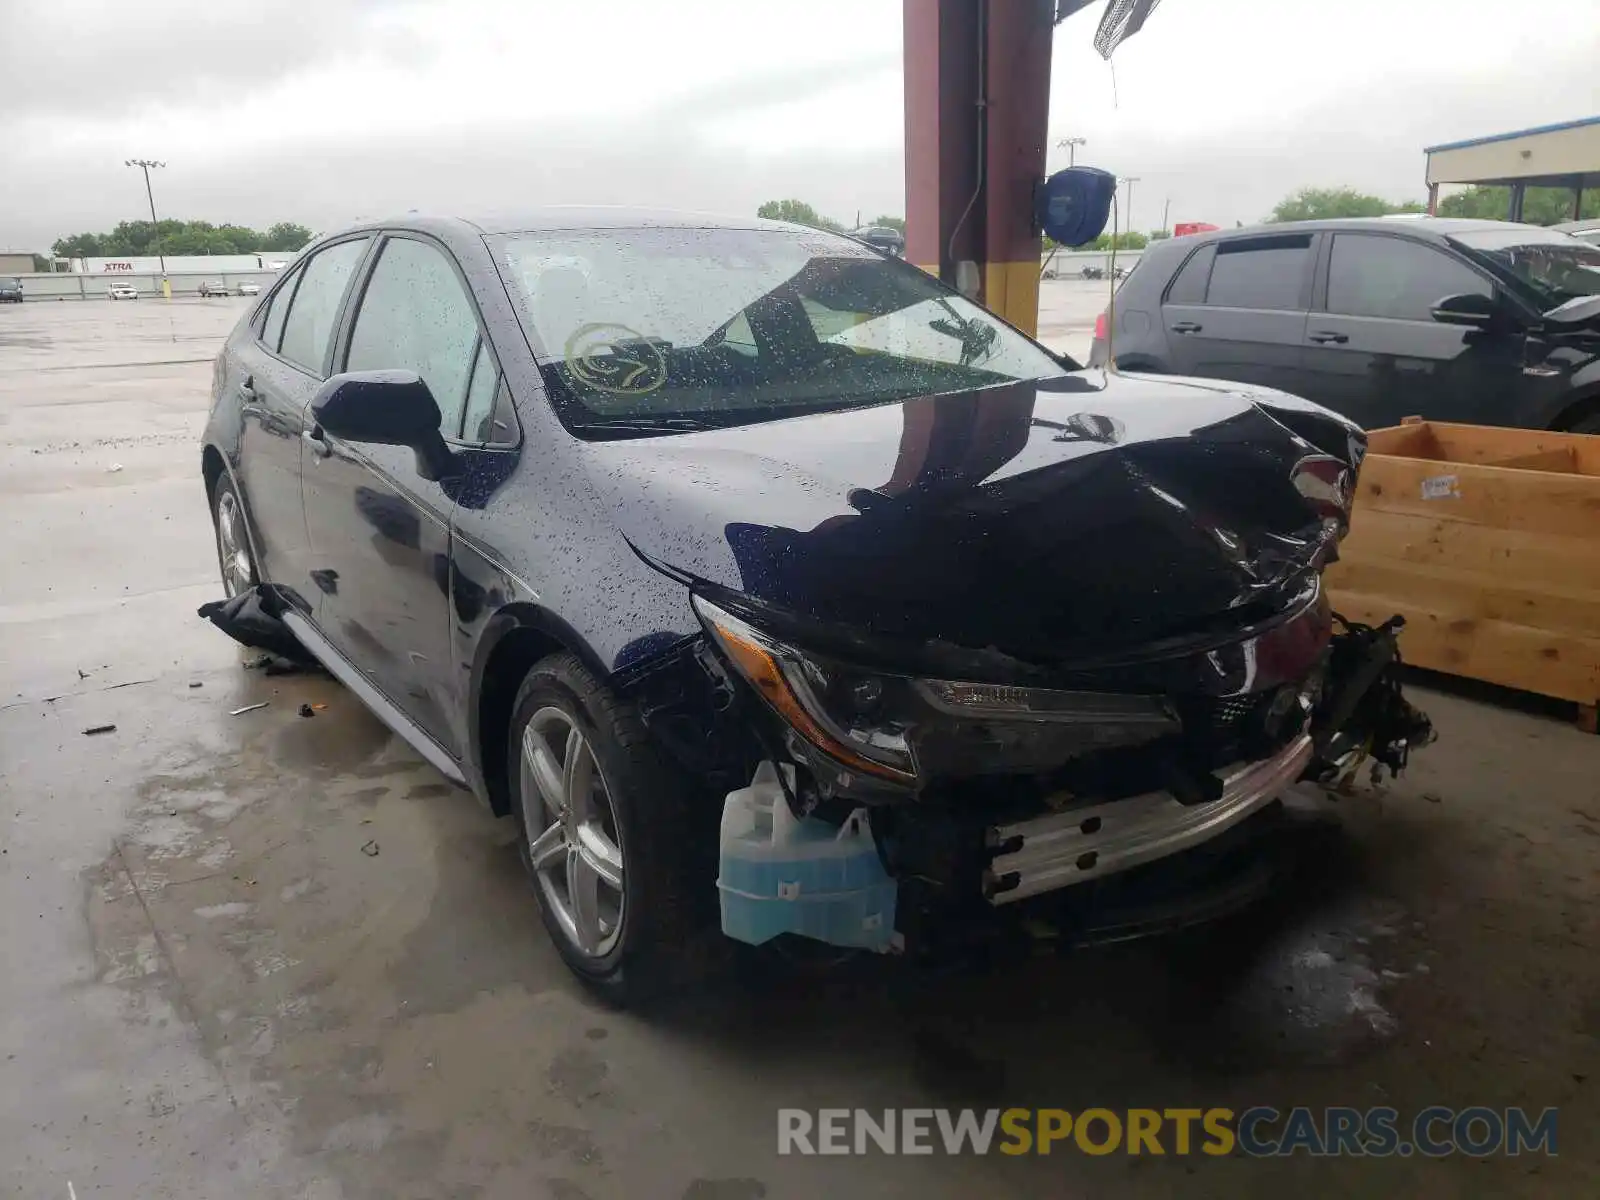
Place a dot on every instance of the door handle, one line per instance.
(247, 388)
(315, 442)
(1323, 336)
(1186, 327)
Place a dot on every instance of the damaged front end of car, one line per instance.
(981, 795)
(1100, 795)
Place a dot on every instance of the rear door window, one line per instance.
(316, 302)
(1390, 277)
(1267, 273)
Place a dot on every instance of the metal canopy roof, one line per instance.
(1566, 154)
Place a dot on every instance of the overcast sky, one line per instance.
(324, 111)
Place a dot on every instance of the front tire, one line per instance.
(606, 835)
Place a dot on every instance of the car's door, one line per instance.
(1237, 310)
(1375, 353)
(276, 372)
(380, 532)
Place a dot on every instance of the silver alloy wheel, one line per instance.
(233, 547)
(574, 847)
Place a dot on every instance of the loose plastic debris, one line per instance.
(307, 711)
(253, 619)
(94, 729)
(370, 849)
(248, 708)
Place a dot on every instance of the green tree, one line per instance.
(1320, 204)
(1540, 205)
(79, 245)
(1124, 241)
(286, 235)
(898, 224)
(142, 238)
(1160, 235)
(798, 212)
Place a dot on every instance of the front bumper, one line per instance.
(1060, 849)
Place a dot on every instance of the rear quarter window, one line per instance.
(1190, 285)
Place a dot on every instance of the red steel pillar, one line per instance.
(977, 93)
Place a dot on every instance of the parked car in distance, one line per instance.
(883, 237)
(1452, 320)
(249, 289)
(208, 288)
(122, 291)
(1585, 231)
(617, 516)
(10, 291)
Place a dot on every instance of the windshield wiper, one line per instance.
(646, 424)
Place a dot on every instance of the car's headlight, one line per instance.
(906, 730)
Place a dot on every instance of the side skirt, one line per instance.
(382, 707)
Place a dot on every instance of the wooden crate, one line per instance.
(1488, 542)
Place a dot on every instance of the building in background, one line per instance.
(180, 264)
(15, 262)
(1559, 156)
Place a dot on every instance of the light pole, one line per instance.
(145, 164)
(1071, 145)
(1130, 180)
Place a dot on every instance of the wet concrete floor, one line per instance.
(266, 956)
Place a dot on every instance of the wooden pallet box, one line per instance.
(1487, 541)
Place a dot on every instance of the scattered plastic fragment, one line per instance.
(307, 711)
(253, 618)
(248, 708)
(370, 849)
(94, 729)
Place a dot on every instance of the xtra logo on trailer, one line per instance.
(118, 266)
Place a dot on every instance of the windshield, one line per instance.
(1552, 268)
(656, 330)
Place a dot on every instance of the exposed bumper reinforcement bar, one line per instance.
(1085, 843)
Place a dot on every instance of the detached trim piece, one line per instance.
(382, 708)
(1072, 847)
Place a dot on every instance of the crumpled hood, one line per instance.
(1049, 520)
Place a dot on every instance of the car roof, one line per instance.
(572, 217)
(1586, 226)
(1434, 226)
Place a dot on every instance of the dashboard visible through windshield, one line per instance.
(666, 329)
(1550, 268)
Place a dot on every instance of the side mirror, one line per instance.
(1471, 309)
(389, 408)
(1574, 314)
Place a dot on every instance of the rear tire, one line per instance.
(611, 855)
(235, 559)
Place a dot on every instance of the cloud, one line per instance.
(325, 110)
(87, 57)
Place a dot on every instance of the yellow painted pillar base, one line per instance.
(1012, 290)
